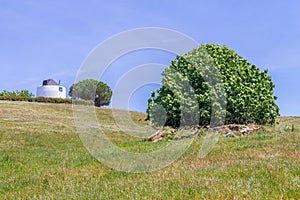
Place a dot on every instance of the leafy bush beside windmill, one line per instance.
(90, 89)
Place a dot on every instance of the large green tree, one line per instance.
(91, 89)
(213, 72)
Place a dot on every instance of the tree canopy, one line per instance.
(210, 71)
(91, 89)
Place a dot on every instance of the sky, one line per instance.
(42, 39)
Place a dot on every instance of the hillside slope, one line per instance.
(42, 157)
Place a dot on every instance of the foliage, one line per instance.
(90, 89)
(212, 73)
(46, 100)
(22, 93)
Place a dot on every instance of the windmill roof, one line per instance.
(50, 82)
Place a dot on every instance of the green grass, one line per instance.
(42, 157)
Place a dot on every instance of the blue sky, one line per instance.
(50, 39)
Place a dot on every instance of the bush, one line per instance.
(25, 95)
(22, 93)
(90, 89)
(46, 100)
(249, 91)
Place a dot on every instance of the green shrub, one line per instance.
(91, 89)
(248, 91)
(46, 100)
(21, 93)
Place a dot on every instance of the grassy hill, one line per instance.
(42, 157)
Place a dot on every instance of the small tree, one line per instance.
(91, 89)
(249, 91)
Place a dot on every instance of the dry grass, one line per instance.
(42, 157)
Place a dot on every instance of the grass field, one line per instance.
(42, 157)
